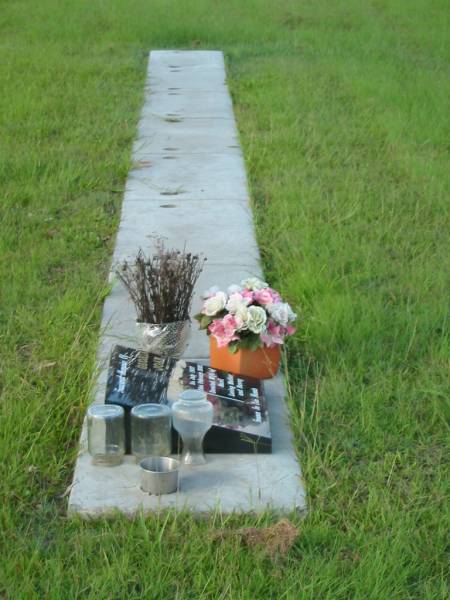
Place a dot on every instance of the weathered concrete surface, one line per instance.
(188, 184)
(142, 221)
(219, 178)
(188, 136)
(189, 104)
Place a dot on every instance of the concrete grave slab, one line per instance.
(188, 141)
(176, 58)
(189, 104)
(186, 77)
(188, 136)
(228, 482)
(233, 241)
(177, 176)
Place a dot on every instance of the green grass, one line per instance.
(343, 114)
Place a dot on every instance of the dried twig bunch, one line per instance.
(161, 286)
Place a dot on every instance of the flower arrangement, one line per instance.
(251, 315)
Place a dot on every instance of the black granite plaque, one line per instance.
(241, 420)
(136, 377)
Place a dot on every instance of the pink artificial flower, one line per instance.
(273, 335)
(266, 296)
(224, 330)
(276, 298)
(248, 295)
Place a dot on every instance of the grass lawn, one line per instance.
(343, 113)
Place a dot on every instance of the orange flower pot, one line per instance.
(262, 363)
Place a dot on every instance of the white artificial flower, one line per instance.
(254, 283)
(282, 313)
(234, 289)
(215, 304)
(257, 318)
(241, 316)
(212, 291)
(235, 301)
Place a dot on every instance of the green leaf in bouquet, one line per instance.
(203, 320)
(233, 347)
(255, 342)
(206, 321)
(251, 341)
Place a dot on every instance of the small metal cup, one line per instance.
(159, 475)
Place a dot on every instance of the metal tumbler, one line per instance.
(159, 475)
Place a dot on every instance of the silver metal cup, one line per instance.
(159, 475)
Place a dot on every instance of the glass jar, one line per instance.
(106, 434)
(151, 433)
(192, 417)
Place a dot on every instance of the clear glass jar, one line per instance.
(192, 417)
(151, 433)
(106, 434)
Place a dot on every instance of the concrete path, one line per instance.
(188, 184)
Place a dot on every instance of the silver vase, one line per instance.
(164, 339)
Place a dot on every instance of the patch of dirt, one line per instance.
(275, 541)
